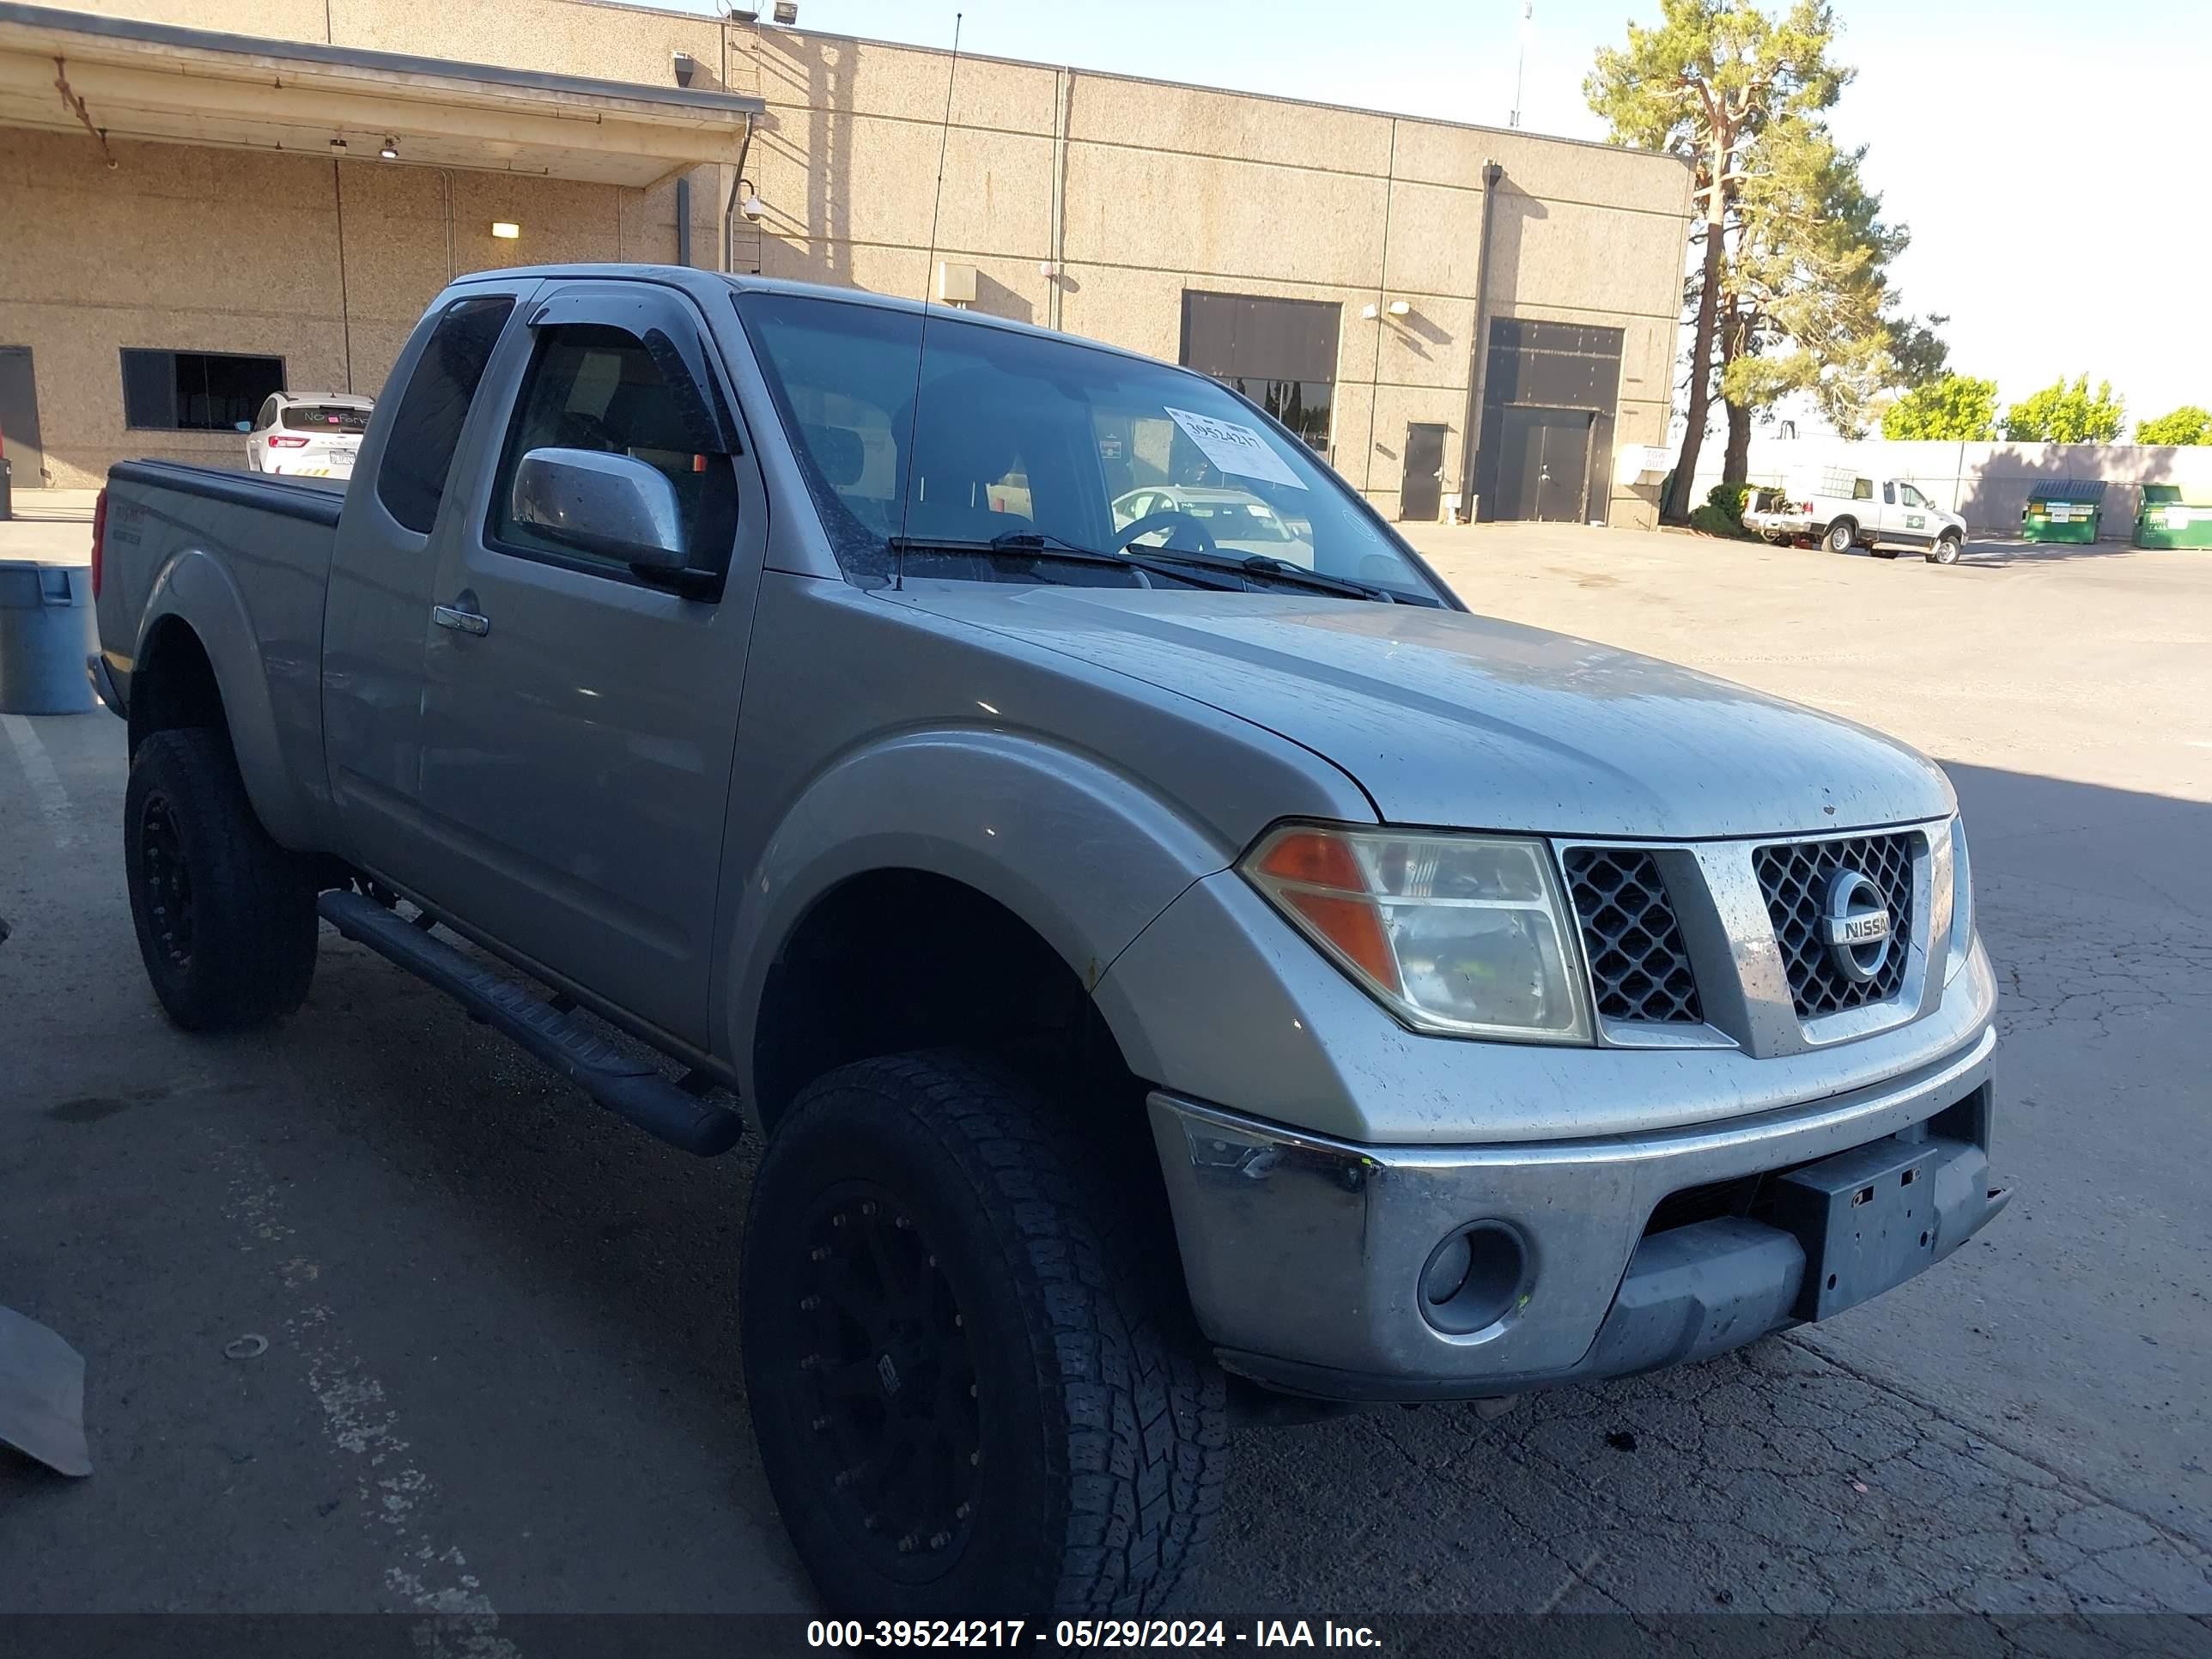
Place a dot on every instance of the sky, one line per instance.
(2049, 160)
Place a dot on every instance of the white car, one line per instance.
(306, 435)
(1841, 511)
(1238, 522)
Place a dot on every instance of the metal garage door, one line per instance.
(1543, 463)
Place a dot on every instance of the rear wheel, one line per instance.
(976, 1391)
(1946, 551)
(225, 917)
(1841, 537)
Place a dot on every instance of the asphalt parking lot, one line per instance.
(499, 1373)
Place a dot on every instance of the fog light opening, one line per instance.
(1475, 1278)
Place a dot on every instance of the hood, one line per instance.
(1451, 719)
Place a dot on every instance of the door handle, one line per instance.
(467, 622)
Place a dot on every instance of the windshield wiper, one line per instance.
(1037, 545)
(1267, 566)
(1174, 563)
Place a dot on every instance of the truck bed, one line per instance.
(243, 562)
(316, 501)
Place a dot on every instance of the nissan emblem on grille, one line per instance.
(1842, 916)
(1858, 925)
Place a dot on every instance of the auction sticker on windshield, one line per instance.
(1234, 448)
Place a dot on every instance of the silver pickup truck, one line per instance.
(1185, 968)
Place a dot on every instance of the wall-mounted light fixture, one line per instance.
(337, 146)
(786, 12)
(1400, 308)
(1368, 313)
(391, 150)
(506, 229)
(686, 66)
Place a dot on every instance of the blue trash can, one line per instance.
(46, 634)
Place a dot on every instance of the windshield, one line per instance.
(1026, 435)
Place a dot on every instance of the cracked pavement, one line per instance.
(499, 1371)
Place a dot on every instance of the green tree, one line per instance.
(1704, 85)
(1809, 305)
(2189, 424)
(1957, 407)
(2064, 414)
(1918, 350)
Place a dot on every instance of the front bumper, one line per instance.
(1305, 1255)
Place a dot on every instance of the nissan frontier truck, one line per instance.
(1176, 984)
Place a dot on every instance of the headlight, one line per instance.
(1962, 900)
(1456, 934)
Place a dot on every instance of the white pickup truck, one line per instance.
(1841, 510)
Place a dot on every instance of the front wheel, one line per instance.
(1946, 551)
(1842, 536)
(976, 1387)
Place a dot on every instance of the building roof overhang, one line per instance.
(157, 83)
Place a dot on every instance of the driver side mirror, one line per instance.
(614, 505)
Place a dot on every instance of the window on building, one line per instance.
(195, 391)
(1281, 353)
(591, 387)
(427, 428)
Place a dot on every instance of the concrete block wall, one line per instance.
(1131, 192)
(1136, 190)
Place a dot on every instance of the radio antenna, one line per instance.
(922, 339)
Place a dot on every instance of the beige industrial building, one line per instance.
(202, 201)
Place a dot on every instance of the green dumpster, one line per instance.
(2064, 510)
(2166, 521)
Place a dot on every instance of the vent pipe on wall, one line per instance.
(1478, 352)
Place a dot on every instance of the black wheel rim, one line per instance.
(883, 1384)
(164, 885)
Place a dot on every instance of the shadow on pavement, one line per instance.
(1989, 553)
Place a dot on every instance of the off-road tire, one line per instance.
(1841, 537)
(225, 917)
(1098, 1417)
(1946, 551)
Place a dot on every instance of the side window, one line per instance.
(426, 428)
(1888, 493)
(267, 418)
(1912, 496)
(597, 388)
(1863, 490)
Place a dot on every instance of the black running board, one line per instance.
(625, 1086)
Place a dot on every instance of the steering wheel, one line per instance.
(1166, 518)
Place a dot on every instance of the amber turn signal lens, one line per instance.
(1352, 926)
(1315, 860)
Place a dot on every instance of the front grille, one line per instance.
(1794, 881)
(1639, 966)
(1709, 1202)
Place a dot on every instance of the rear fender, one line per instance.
(196, 589)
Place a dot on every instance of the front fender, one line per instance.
(196, 589)
(1082, 852)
